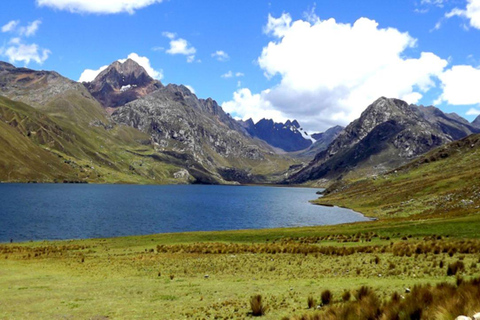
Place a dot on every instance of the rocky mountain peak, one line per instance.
(120, 83)
(388, 133)
(288, 136)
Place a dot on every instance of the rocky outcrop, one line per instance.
(388, 134)
(197, 130)
(288, 136)
(121, 83)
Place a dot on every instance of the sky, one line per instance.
(320, 62)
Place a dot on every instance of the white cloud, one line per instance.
(473, 112)
(230, 74)
(460, 85)
(27, 31)
(279, 26)
(227, 75)
(221, 55)
(21, 52)
(169, 35)
(253, 105)
(17, 50)
(190, 88)
(330, 72)
(180, 46)
(438, 3)
(31, 28)
(11, 26)
(89, 75)
(145, 63)
(97, 6)
(471, 12)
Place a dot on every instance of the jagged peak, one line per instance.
(127, 69)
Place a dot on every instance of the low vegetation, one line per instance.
(314, 273)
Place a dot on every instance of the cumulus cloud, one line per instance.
(180, 46)
(17, 50)
(471, 13)
(97, 6)
(89, 75)
(330, 72)
(460, 85)
(253, 105)
(221, 55)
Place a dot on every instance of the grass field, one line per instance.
(213, 275)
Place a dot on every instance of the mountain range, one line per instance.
(125, 126)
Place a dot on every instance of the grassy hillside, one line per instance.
(445, 182)
(53, 147)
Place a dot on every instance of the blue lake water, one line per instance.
(73, 211)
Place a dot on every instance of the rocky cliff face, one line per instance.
(288, 136)
(389, 133)
(121, 83)
(198, 131)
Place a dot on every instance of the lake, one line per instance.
(73, 211)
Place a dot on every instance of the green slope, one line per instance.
(54, 147)
(442, 183)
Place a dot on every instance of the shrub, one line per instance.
(362, 292)
(455, 267)
(326, 297)
(346, 296)
(310, 302)
(256, 304)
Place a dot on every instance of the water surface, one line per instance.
(73, 211)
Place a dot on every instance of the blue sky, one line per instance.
(319, 62)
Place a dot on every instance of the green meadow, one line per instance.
(213, 275)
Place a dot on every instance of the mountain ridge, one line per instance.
(389, 133)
